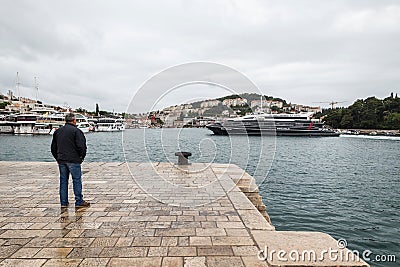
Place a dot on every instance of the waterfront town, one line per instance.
(42, 118)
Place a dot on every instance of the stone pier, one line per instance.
(148, 214)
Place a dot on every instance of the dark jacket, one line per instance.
(69, 144)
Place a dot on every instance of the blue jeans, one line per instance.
(76, 173)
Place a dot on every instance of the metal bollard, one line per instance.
(183, 157)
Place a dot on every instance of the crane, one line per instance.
(332, 103)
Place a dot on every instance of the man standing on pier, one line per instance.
(69, 149)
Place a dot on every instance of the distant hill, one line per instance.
(252, 96)
(235, 105)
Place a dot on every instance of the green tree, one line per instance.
(347, 121)
(392, 121)
(3, 105)
(371, 113)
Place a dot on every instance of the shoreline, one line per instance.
(374, 132)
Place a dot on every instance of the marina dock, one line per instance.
(147, 214)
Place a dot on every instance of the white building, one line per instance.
(209, 103)
(235, 102)
(262, 103)
(278, 104)
(258, 109)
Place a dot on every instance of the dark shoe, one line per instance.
(84, 204)
(64, 205)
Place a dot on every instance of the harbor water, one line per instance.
(345, 186)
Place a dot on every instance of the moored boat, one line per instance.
(299, 124)
(25, 123)
(49, 123)
(109, 124)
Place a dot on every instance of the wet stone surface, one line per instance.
(141, 214)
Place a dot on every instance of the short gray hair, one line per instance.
(70, 117)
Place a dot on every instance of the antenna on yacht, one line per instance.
(36, 89)
(18, 83)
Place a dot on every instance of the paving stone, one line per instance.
(208, 225)
(94, 262)
(97, 233)
(71, 242)
(200, 241)
(24, 233)
(169, 241)
(158, 225)
(22, 262)
(16, 241)
(53, 253)
(200, 218)
(62, 262)
(120, 232)
(75, 233)
(254, 220)
(183, 241)
(176, 232)
(214, 251)
(157, 251)
(253, 262)
(39, 242)
(210, 232)
(104, 242)
(172, 262)
(184, 224)
(37, 225)
(231, 240)
(195, 261)
(245, 250)
(167, 218)
(135, 262)
(141, 232)
(224, 261)
(25, 253)
(7, 251)
(239, 225)
(236, 232)
(124, 252)
(84, 225)
(124, 242)
(146, 241)
(182, 251)
(85, 252)
(107, 219)
(58, 233)
(16, 225)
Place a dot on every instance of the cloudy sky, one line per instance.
(87, 52)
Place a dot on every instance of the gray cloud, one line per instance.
(305, 51)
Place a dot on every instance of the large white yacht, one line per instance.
(24, 123)
(48, 123)
(299, 124)
(7, 123)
